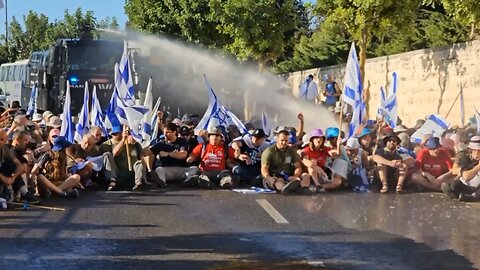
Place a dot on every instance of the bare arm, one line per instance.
(469, 174)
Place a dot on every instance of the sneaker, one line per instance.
(191, 181)
(290, 186)
(72, 194)
(320, 189)
(31, 198)
(226, 182)
(304, 191)
(45, 193)
(136, 186)
(153, 175)
(445, 187)
(204, 182)
(113, 185)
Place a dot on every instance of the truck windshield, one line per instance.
(94, 56)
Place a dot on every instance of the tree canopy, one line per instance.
(38, 33)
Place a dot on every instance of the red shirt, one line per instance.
(437, 165)
(214, 158)
(320, 155)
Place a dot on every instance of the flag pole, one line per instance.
(128, 150)
(340, 124)
(455, 101)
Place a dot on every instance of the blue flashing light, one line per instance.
(74, 80)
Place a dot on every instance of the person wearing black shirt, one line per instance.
(172, 153)
(248, 152)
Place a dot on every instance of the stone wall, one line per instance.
(429, 80)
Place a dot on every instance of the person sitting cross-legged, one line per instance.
(433, 165)
(172, 153)
(131, 174)
(281, 168)
(51, 171)
(392, 167)
(213, 157)
(248, 151)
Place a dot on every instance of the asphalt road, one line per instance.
(198, 229)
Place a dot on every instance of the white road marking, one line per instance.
(272, 211)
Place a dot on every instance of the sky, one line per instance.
(54, 9)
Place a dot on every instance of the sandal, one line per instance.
(112, 185)
(399, 188)
(384, 189)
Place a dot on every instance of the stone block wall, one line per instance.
(429, 80)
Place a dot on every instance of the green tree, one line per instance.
(367, 19)
(258, 28)
(466, 12)
(188, 20)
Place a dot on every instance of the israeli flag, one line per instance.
(32, 103)
(147, 118)
(353, 92)
(434, 124)
(153, 122)
(308, 90)
(217, 115)
(131, 116)
(381, 105)
(96, 115)
(390, 104)
(66, 129)
(267, 125)
(83, 124)
(477, 118)
(125, 82)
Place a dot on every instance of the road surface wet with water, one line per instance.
(197, 229)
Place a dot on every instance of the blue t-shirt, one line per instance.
(330, 89)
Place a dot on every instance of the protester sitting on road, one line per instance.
(357, 176)
(187, 133)
(433, 165)
(281, 167)
(339, 163)
(365, 139)
(247, 151)
(172, 153)
(314, 157)
(51, 171)
(391, 168)
(97, 132)
(78, 163)
(13, 184)
(130, 173)
(467, 187)
(215, 162)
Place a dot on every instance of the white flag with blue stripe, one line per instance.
(153, 123)
(32, 103)
(96, 115)
(125, 82)
(308, 90)
(390, 104)
(218, 115)
(83, 125)
(147, 118)
(434, 124)
(353, 92)
(267, 125)
(66, 129)
(477, 118)
(131, 116)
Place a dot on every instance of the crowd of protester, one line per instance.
(36, 162)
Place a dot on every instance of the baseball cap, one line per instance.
(259, 133)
